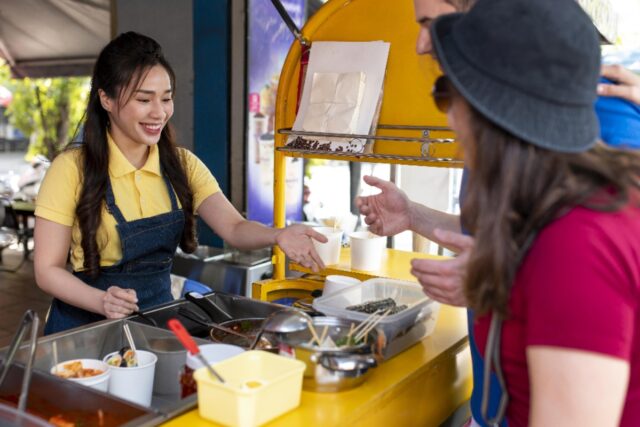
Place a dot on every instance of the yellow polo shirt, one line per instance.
(139, 193)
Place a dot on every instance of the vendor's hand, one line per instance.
(443, 280)
(627, 87)
(296, 243)
(118, 303)
(386, 213)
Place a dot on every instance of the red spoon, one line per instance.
(183, 336)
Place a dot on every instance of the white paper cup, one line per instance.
(366, 250)
(134, 384)
(334, 283)
(329, 252)
(99, 382)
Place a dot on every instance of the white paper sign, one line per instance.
(341, 93)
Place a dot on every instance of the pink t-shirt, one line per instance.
(578, 287)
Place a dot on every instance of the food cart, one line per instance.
(421, 385)
(427, 382)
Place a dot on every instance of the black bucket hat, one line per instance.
(529, 66)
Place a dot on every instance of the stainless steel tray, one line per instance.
(98, 339)
(50, 396)
(95, 341)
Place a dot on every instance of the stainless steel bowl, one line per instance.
(331, 370)
(172, 357)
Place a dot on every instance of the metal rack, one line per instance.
(425, 141)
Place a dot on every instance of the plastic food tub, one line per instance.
(258, 387)
(420, 308)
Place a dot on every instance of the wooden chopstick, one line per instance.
(363, 333)
(324, 334)
(372, 325)
(351, 329)
(127, 333)
(366, 321)
(314, 334)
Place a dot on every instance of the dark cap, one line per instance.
(529, 66)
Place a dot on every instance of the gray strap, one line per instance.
(492, 355)
(492, 359)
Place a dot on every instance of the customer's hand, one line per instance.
(118, 303)
(296, 243)
(386, 213)
(443, 280)
(627, 87)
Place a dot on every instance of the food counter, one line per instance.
(421, 386)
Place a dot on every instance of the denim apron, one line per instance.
(148, 246)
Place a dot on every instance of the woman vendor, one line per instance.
(124, 199)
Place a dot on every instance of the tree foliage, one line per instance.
(49, 109)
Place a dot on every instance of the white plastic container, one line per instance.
(99, 382)
(134, 384)
(334, 283)
(420, 308)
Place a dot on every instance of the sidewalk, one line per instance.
(18, 293)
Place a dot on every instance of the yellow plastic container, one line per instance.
(258, 387)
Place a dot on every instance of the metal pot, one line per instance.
(171, 360)
(245, 328)
(248, 327)
(331, 370)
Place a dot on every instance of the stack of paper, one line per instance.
(341, 95)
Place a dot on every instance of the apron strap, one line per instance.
(172, 194)
(111, 204)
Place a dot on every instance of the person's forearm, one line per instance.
(64, 286)
(425, 220)
(251, 235)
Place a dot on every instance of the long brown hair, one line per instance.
(516, 188)
(124, 62)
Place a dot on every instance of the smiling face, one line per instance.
(139, 115)
(426, 11)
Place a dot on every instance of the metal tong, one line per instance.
(196, 318)
(29, 317)
(207, 305)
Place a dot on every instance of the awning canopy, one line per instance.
(48, 38)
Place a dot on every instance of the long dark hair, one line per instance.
(124, 62)
(516, 188)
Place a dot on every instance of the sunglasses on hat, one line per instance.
(442, 94)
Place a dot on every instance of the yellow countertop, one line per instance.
(421, 386)
(396, 264)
